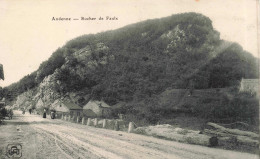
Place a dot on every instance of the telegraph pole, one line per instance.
(2, 72)
(2, 103)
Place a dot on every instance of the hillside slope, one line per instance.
(136, 63)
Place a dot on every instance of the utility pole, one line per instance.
(1, 77)
(2, 72)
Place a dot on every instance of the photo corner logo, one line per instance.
(14, 150)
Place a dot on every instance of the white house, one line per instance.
(100, 108)
(68, 108)
(249, 85)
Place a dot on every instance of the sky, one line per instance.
(28, 35)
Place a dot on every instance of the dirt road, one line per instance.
(50, 139)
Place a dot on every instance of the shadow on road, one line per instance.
(10, 122)
(26, 119)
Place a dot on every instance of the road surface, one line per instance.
(57, 139)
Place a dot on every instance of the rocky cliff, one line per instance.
(136, 64)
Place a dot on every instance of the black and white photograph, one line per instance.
(129, 79)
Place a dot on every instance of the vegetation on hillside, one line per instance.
(138, 62)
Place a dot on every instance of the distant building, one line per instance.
(89, 113)
(68, 108)
(249, 85)
(117, 107)
(100, 108)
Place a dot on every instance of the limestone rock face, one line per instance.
(39, 104)
(25, 100)
(47, 94)
(39, 97)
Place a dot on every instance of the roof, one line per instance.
(71, 105)
(119, 105)
(95, 103)
(89, 113)
(249, 80)
(103, 104)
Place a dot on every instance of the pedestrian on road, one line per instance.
(44, 113)
(10, 114)
(52, 114)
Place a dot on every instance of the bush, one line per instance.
(3, 112)
(241, 107)
(1, 119)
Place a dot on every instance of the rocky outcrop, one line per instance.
(25, 100)
(47, 93)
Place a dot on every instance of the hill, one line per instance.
(136, 63)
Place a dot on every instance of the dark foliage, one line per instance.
(242, 107)
(48, 67)
(3, 114)
(141, 60)
(227, 69)
(26, 83)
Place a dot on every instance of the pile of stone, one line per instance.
(170, 132)
(232, 136)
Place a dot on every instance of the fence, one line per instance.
(116, 124)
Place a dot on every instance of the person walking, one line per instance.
(44, 113)
(10, 114)
(52, 115)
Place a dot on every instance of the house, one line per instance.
(89, 113)
(249, 85)
(118, 109)
(100, 108)
(67, 108)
